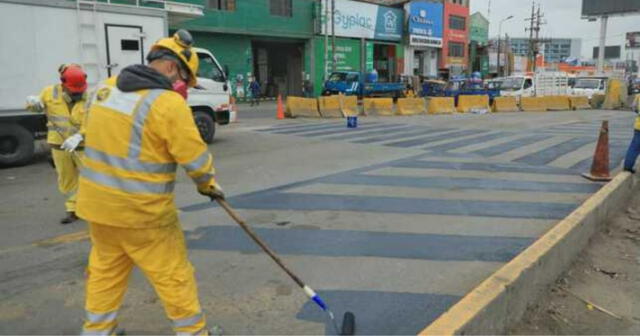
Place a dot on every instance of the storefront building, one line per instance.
(367, 37)
(455, 53)
(479, 44)
(272, 40)
(423, 42)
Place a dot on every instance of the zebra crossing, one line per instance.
(401, 241)
(568, 146)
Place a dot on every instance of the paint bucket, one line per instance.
(352, 122)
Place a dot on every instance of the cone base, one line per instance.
(588, 176)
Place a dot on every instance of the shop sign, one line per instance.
(425, 23)
(425, 41)
(347, 55)
(363, 20)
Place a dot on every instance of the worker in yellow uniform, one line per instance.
(64, 106)
(137, 130)
(634, 147)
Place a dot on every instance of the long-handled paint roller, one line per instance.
(349, 319)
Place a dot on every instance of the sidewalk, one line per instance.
(600, 293)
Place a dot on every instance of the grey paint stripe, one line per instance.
(508, 146)
(128, 185)
(316, 202)
(198, 163)
(468, 142)
(428, 139)
(129, 164)
(480, 166)
(290, 127)
(323, 127)
(390, 130)
(344, 129)
(381, 312)
(462, 183)
(419, 131)
(551, 153)
(345, 243)
(140, 116)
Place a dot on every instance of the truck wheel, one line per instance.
(206, 125)
(16, 145)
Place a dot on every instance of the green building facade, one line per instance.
(282, 42)
(478, 44)
(269, 39)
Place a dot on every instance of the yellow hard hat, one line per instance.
(180, 45)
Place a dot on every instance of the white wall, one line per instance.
(37, 39)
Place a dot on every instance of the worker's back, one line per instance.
(136, 132)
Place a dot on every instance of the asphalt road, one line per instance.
(395, 220)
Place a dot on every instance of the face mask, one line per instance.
(76, 96)
(180, 87)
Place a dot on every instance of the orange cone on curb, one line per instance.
(280, 113)
(600, 166)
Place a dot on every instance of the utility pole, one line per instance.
(534, 34)
(326, 40)
(602, 45)
(500, 42)
(333, 33)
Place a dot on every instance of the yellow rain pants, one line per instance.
(68, 167)
(161, 254)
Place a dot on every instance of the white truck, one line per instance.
(542, 83)
(517, 86)
(103, 37)
(588, 86)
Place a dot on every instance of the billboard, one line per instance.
(609, 7)
(633, 40)
(363, 20)
(424, 23)
(610, 52)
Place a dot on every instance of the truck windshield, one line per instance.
(513, 83)
(209, 69)
(587, 84)
(494, 85)
(338, 77)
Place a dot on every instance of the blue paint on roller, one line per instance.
(352, 122)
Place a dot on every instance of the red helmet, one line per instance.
(74, 79)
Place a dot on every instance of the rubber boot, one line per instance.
(71, 217)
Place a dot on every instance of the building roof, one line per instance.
(479, 16)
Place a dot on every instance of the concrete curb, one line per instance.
(501, 300)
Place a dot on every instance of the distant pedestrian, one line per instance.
(634, 146)
(254, 87)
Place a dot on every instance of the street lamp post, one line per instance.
(500, 41)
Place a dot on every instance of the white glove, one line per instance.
(35, 104)
(72, 142)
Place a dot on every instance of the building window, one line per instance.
(228, 5)
(457, 22)
(456, 49)
(281, 7)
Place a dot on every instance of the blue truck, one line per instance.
(457, 87)
(352, 83)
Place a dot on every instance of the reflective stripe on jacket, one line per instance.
(133, 144)
(61, 123)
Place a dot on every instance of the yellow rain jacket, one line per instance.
(636, 108)
(133, 144)
(61, 122)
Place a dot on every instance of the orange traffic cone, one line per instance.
(600, 166)
(280, 113)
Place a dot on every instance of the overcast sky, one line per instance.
(563, 20)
